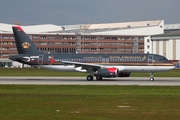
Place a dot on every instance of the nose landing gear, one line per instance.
(151, 76)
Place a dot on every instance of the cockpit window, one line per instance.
(161, 58)
(165, 59)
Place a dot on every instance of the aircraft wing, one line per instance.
(87, 66)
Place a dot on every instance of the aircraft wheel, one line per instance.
(151, 79)
(89, 78)
(98, 78)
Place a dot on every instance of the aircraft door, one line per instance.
(40, 60)
(150, 59)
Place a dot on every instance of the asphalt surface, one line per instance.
(142, 81)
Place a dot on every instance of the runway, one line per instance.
(141, 81)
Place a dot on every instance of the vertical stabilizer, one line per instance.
(23, 43)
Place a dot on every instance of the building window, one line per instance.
(114, 38)
(35, 37)
(127, 38)
(5, 37)
(120, 44)
(11, 37)
(86, 38)
(107, 38)
(141, 38)
(43, 37)
(57, 38)
(140, 49)
(50, 38)
(141, 44)
(148, 46)
(50, 43)
(128, 44)
(93, 38)
(65, 37)
(114, 44)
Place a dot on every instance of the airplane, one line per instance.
(99, 65)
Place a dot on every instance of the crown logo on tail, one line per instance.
(26, 45)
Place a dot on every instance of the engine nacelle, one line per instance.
(107, 72)
(124, 74)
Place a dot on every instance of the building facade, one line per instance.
(76, 43)
(128, 37)
(168, 45)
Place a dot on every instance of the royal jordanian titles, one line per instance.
(99, 65)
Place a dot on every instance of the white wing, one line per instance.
(86, 66)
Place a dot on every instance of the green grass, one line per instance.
(87, 102)
(44, 72)
(36, 72)
(32, 102)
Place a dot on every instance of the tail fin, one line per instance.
(23, 42)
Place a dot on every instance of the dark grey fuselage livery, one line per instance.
(99, 65)
(103, 59)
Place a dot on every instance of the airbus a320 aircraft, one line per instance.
(99, 65)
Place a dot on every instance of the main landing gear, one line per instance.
(98, 78)
(90, 78)
(151, 76)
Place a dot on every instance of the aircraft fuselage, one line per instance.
(133, 62)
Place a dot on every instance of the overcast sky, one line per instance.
(69, 12)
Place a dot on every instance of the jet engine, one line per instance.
(107, 72)
(124, 74)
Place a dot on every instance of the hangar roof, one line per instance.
(172, 26)
(5, 27)
(171, 35)
(125, 24)
(50, 28)
(31, 28)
